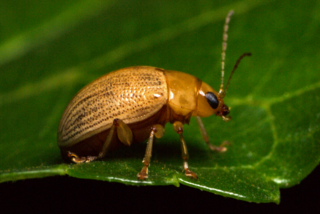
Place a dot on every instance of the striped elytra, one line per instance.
(131, 94)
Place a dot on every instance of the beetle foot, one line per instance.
(143, 174)
(221, 148)
(76, 159)
(191, 174)
(91, 158)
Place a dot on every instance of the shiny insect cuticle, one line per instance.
(134, 104)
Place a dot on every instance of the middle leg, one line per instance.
(157, 131)
(178, 127)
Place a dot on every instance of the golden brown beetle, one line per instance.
(134, 104)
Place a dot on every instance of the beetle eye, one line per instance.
(212, 100)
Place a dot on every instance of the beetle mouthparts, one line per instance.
(224, 111)
(226, 118)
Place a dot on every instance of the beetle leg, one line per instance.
(124, 134)
(205, 136)
(157, 131)
(107, 142)
(76, 159)
(178, 127)
(123, 131)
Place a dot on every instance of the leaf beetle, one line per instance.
(134, 104)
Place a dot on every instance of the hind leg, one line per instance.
(124, 134)
(76, 159)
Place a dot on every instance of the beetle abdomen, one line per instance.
(132, 94)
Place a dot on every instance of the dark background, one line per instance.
(71, 195)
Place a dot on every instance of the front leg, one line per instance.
(178, 127)
(205, 136)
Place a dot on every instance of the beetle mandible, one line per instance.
(134, 104)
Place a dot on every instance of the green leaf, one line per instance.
(51, 52)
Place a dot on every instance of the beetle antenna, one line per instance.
(223, 93)
(224, 48)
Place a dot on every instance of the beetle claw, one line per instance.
(143, 174)
(76, 159)
(191, 174)
(221, 148)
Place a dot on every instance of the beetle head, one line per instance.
(210, 102)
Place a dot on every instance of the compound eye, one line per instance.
(212, 100)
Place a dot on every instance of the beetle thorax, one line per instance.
(182, 93)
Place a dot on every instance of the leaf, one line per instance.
(48, 56)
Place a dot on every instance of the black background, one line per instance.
(69, 195)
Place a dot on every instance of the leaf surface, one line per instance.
(51, 52)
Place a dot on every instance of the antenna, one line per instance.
(222, 91)
(224, 48)
(234, 68)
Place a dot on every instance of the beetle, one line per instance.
(134, 104)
